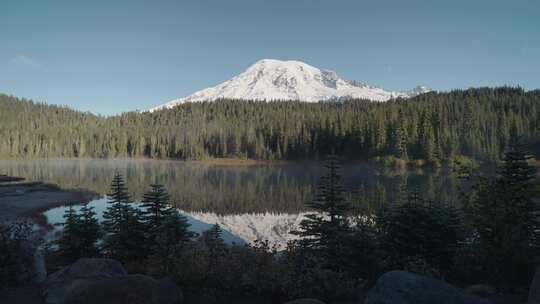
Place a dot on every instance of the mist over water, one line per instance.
(201, 187)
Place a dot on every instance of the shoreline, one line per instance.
(28, 200)
(219, 161)
(240, 162)
(384, 161)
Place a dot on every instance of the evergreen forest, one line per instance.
(431, 128)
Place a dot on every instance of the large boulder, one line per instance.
(401, 287)
(169, 292)
(305, 301)
(79, 274)
(130, 289)
(534, 290)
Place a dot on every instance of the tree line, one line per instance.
(433, 127)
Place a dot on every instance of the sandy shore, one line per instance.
(29, 199)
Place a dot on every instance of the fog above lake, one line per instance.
(227, 190)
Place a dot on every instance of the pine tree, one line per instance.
(80, 235)
(115, 216)
(505, 216)
(401, 143)
(125, 233)
(132, 240)
(421, 232)
(90, 231)
(213, 240)
(325, 231)
(69, 244)
(118, 200)
(399, 140)
(170, 238)
(427, 139)
(156, 206)
(363, 257)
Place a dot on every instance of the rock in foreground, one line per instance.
(130, 289)
(105, 281)
(400, 287)
(305, 301)
(79, 274)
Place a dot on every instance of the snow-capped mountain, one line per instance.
(270, 79)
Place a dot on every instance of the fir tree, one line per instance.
(156, 206)
(507, 221)
(363, 257)
(420, 232)
(325, 231)
(427, 139)
(80, 235)
(213, 240)
(90, 231)
(118, 200)
(125, 233)
(217, 250)
(132, 241)
(69, 244)
(170, 238)
(399, 140)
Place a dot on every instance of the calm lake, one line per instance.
(249, 202)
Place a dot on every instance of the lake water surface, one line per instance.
(249, 202)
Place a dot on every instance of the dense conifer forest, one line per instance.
(433, 127)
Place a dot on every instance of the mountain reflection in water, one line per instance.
(233, 190)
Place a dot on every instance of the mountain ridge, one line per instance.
(271, 79)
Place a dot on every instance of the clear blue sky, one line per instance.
(112, 56)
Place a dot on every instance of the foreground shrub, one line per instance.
(506, 219)
(421, 237)
(306, 277)
(16, 256)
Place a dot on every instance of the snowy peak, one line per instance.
(418, 90)
(270, 79)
